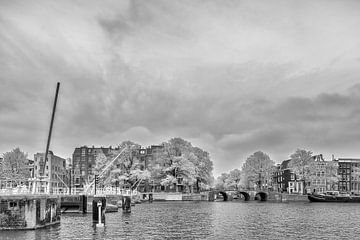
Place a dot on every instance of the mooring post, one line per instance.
(100, 224)
(150, 197)
(126, 204)
(99, 206)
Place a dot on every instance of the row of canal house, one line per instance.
(84, 159)
(59, 175)
(345, 178)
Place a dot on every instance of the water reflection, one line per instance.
(210, 220)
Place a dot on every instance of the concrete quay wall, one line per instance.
(271, 197)
(28, 211)
(162, 196)
(285, 198)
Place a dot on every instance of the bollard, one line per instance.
(126, 204)
(82, 204)
(99, 207)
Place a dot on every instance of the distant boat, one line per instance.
(334, 196)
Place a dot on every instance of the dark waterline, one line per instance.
(211, 220)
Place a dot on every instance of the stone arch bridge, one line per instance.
(246, 195)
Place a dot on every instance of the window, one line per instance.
(13, 204)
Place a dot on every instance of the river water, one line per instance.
(210, 220)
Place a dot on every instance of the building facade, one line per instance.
(51, 176)
(84, 161)
(349, 175)
(284, 179)
(85, 158)
(319, 180)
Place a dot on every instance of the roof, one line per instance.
(285, 164)
(348, 159)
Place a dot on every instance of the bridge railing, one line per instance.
(100, 191)
(15, 191)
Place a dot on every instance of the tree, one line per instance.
(258, 170)
(183, 170)
(203, 168)
(189, 165)
(15, 167)
(302, 165)
(221, 181)
(120, 170)
(234, 178)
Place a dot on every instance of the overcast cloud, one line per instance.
(232, 77)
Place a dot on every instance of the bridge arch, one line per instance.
(224, 194)
(245, 194)
(261, 196)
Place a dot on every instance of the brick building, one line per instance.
(320, 179)
(285, 180)
(84, 161)
(349, 174)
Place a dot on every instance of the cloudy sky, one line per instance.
(232, 77)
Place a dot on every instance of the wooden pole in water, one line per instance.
(51, 125)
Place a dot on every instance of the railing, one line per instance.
(115, 191)
(14, 191)
(99, 191)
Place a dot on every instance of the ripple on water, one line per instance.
(210, 220)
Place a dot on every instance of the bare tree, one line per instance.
(15, 167)
(301, 164)
(257, 169)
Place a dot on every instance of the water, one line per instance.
(211, 220)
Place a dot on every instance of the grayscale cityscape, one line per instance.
(158, 119)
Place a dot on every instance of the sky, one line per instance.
(232, 77)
